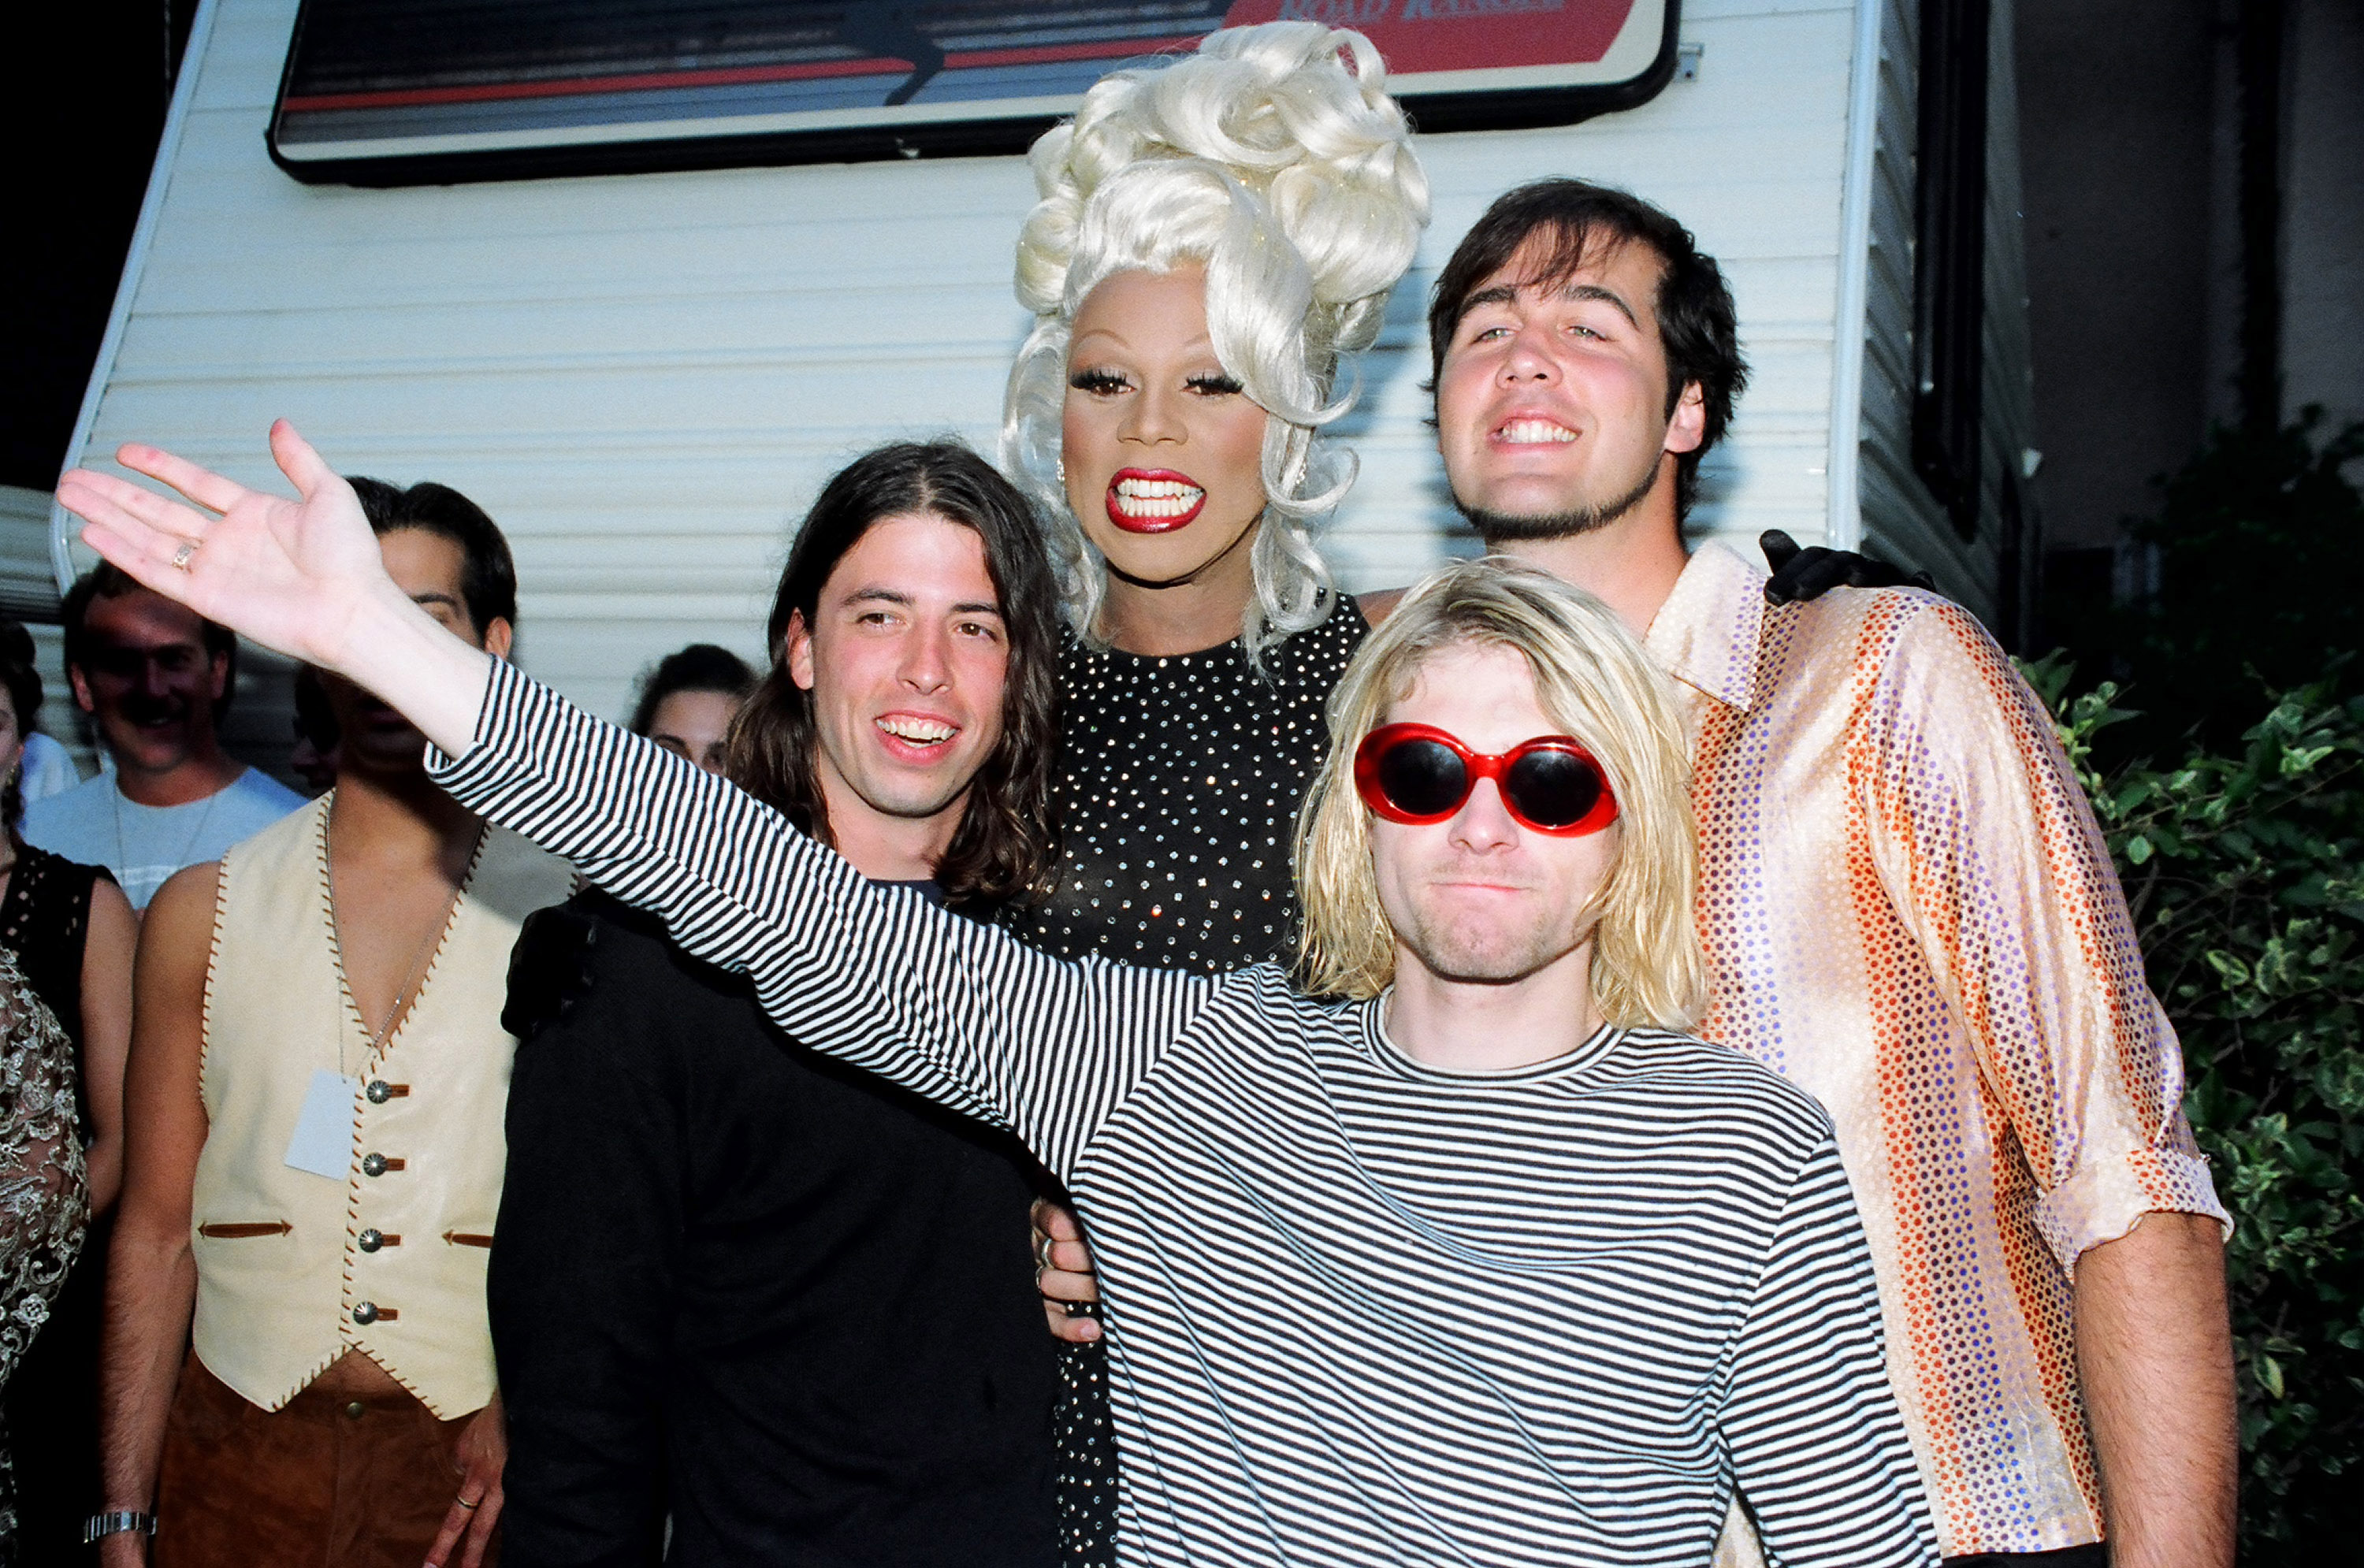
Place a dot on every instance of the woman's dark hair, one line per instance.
(487, 571)
(700, 667)
(1697, 324)
(1003, 848)
(20, 673)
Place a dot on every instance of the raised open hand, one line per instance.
(290, 574)
(303, 576)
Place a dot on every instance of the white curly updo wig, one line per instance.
(1291, 179)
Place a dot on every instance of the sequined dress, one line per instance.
(1179, 783)
(44, 1190)
(51, 1401)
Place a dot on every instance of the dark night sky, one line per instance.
(84, 106)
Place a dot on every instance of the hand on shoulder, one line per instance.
(1802, 575)
(550, 966)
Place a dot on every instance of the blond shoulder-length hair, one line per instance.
(1599, 687)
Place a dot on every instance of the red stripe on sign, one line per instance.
(496, 92)
(657, 80)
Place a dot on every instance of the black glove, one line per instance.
(549, 969)
(1800, 576)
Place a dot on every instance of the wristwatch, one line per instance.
(99, 1525)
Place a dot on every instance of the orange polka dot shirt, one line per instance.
(1908, 911)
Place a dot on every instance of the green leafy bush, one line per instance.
(2241, 867)
(2257, 573)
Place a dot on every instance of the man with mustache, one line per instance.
(154, 678)
(1906, 906)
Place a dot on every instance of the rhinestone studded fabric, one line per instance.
(1178, 789)
(1179, 783)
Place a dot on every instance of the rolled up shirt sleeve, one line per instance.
(1990, 854)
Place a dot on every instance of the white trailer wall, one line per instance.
(1901, 521)
(645, 377)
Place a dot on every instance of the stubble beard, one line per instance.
(1469, 952)
(1502, 528)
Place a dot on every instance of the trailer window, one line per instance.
(400, 92)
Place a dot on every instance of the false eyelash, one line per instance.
(1213, 384)
(1097, 380)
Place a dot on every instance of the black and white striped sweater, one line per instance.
(1361, 1311)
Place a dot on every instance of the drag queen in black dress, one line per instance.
(1213, 240)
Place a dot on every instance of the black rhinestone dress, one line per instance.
(51, 1404)
(1178, 789)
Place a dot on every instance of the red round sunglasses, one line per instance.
(1417, 773)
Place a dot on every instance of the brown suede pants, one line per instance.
(320, 1482)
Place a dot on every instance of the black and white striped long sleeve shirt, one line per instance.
(1361, 1311)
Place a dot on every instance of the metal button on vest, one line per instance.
(365, 1314)
(356, 1410)
(380, 1091)
(373, 1164)
(371, 1240)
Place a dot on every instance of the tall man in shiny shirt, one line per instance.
(1906, 906)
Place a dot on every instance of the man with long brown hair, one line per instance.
(790, 1306)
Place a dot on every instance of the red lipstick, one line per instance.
(1156, 513)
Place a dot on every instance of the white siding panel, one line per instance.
(243, 57)
(28, 591)
(645, 378)
(1901, 521)
(31, 596)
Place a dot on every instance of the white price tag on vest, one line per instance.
(323, 1143)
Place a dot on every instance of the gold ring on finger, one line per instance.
(181, 556)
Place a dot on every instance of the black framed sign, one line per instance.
(412, 92)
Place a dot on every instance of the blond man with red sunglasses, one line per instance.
(1537, 1278)
(1394, 863)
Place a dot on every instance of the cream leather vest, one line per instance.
(294, 1269)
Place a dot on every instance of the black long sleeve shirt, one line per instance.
(787, 1302)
